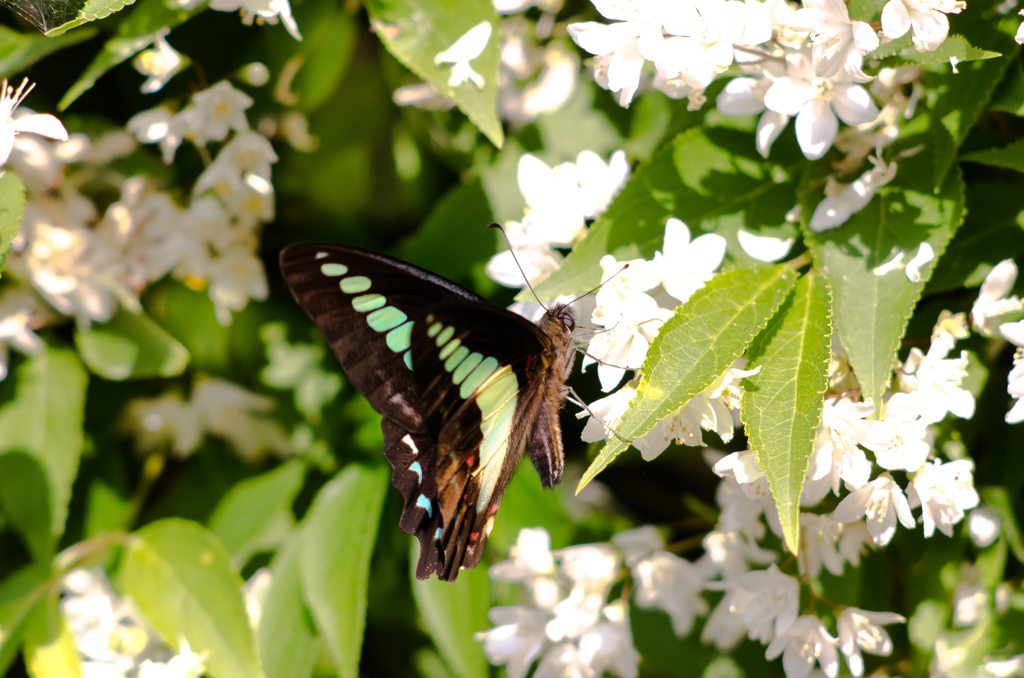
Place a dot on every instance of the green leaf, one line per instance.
(958, 100)
(695, 347)
(1010, 157)
(131, 346)
(19, 594)
(870, 311)
(50, 650)
(711, 179)
(12, 209)
(1001, 503)
(338, 537)
(19, 51)
(954, 47)
(256, 514)
(61, 17)
(452, 613)
(781, 408)
(1009, 95)
(416, 31)
(183, 582)
(287, 639)
(991, 232)
(43, 419)
(25, 496)
(136, 33)
(328, 43)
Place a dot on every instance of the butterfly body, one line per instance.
(463, 387)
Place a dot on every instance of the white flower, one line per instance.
(43, 124)
(670, 583)
(553, 87)
(609, 645)
(992, 302)
(764, 247)
(819, 535)
(15, 330)
(816, 102)
(729, 554)
(159, 63)
(882, 502)
(936, 380)
(630, 328)
(984, 526)
(803, 644)
(1015, 387)
(185, 664)
(687, 265)
(970, 603)
(619, 61)
(715, 409)
(838, 41)
(944, 492)
(554, 201)
(563, 661)
(925, 254)
(591, 569)
(745, 467)
(214, 112)
(468, 47)
(860, 630)
(532, 564)
(599, 181)
(238, 416)
(166, 421)
(842, 201)
(158, 125)
(837, 455)
(768, 601)
(516, 639)
(1019, 37)
(267, 10)
(236, 277)
(606, 414)
(901, 441)
(746, 96)
(926, 17)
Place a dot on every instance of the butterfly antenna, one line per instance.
(603, 283)
(516, 259)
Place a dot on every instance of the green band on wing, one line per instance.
(456, 358)
(497, 403)
(445, 336)
(386, 318)
(448, 348)
(321, 255)
(368, 302)
(334, 269)
(434, 328)
(467, 366)
(400, 338)
(408, 359)
(355, 284)
(478, 376)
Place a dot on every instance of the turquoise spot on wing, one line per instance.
(424, 504)
(433, 329)
(417, 469)
(355, 284)
(478, 376)
(386, 318)
(334, 269)
(438, 534)
(408, 359)
(456, 358)
(467, 366)
(445, 336)
(400, 338)
(368, 302)
(321, 255)
(448, 348)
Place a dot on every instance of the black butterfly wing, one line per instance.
(365, 304)
(454, 426)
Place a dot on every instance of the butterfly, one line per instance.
(463, 387)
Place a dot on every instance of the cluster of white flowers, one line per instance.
(559, 202)
(85, 265)
(113, 638)
(218, 408)
(569, 623)
(991, 314)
